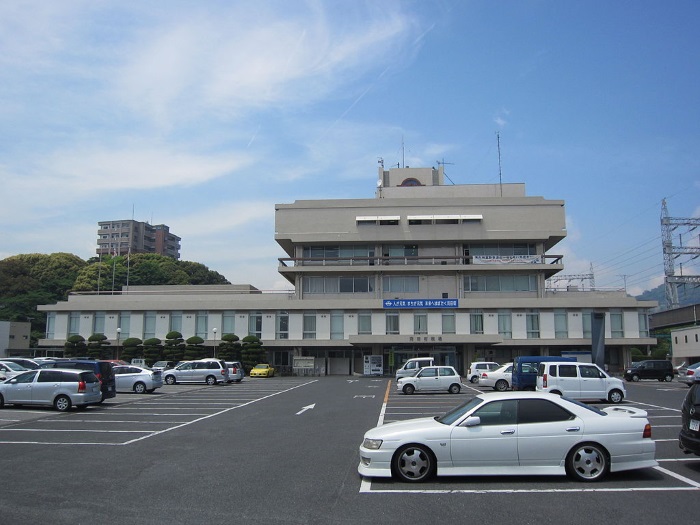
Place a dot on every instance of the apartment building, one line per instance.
(129, 236)
(457, 272)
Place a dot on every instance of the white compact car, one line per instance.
(477, 367)
(431, 379)
(137, 379)
(579, 381)
(511, 433)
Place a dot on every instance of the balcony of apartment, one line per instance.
(549, 264)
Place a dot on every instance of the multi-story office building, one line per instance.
(129, 236)
(457, 272)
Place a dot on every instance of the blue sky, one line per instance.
(203, 115)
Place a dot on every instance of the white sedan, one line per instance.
(137, 379)
(498, 379)
(511, 433)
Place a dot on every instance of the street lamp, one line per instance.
(214, 330)
(119, 333)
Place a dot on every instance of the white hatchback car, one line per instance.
(477, 367)
(431, 379)
(579, 381)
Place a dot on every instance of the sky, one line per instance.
(204, 115)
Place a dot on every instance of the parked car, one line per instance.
(262, 370)
(414, 364)
(579, 381)
(431, 379)
(163, 365)
(102, 369)
(477, 367)
(498, 379)
(688, 374)
(659, 369)
(26, 362)
(524, 375)
(236, 372)
(211, 372)
(502, 433)
(9, 369)
(60, 388)
(137, 379)
(689, 436)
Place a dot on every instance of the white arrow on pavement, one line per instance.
(304, 409)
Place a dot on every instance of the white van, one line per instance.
(412, 365)
(579, 381)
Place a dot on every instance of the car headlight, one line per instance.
(372, 444)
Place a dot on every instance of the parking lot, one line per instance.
(191, 453)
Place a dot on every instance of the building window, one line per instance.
(98, 323)
(561, 324)
(255, 324)
(125, 325)
(176, 321)
(201, 324)
(74, 324)
(282, 325)
(149, 325)
(500, 283)
(364, 322)
(50, 325)
(644, 326)
(505, 324)
(532, 324)
(337, 324)
(448, 323)
(335, 285)
(309, 328)
(280, 358)
(392, 323)
(400, 283)
(228, 322)
(617, 329)
(587, 323)
(420, 323)
(476, 322)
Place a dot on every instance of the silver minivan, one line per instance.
(210, 371)
(60, 388)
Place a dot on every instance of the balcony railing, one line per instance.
(433, 260)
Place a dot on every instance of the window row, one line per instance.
(200, 322)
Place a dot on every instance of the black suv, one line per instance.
(659, 369)
(689, 437)
(102, 369)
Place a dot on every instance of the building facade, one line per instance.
(15, 337)
(129, 236)
(457, 272)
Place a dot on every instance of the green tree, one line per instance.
(131, 348)
(174, 347)
(229, 348)
(195, 348)
(152, 350)
(98, 347)
(75, 346)
(252, 352)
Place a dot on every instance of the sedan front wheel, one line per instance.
(414, 463)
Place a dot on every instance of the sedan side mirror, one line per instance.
(472, 421)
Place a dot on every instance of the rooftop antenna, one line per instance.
(500, 178)
(403, 153)
(443, 163)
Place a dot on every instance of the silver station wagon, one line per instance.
(55, 387)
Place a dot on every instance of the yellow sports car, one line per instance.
(262, 370)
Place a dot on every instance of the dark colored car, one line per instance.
(659, 369)
(689, 436)
(102, 369)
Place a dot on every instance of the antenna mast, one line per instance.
(500, 178)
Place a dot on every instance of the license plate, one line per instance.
(695, 425)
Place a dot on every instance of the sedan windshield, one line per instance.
(457, 412)
(14, 366)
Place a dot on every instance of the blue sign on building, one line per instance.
(421, 303)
